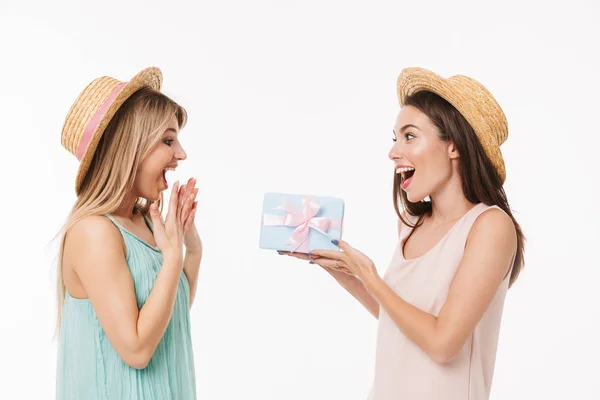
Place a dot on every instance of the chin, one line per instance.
(415, 197)
(152, 195)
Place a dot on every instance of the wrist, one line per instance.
(345, 280)
(173, 260)
(193, 253)
(371, 281)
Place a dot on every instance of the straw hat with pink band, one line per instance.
(92, 111)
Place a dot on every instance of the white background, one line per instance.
(300, 97)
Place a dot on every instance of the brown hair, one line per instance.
(128, 138)
(480, 180)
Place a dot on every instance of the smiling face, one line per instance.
(164, 156)
(424, 161)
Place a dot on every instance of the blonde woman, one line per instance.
(440, 302)
(125, 284)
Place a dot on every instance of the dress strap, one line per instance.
(114, 220)
(148, 222)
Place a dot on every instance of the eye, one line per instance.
(169, 142)
(406, 135)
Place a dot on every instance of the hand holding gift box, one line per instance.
(300, 223)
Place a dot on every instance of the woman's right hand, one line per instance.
(341, 274)
(169, 234)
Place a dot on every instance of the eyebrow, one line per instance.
(172, 130)
(408, 126)
(405, 127)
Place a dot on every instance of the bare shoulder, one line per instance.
(92, 235)
(494, 228)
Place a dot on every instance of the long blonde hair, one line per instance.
(133, 131)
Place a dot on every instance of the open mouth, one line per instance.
(406, 172)
(164, 175)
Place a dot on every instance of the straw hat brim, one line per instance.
(471, 99)
(149, 77)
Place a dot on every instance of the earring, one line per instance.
(427, 199)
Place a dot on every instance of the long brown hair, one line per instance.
(130, 135)
(480, 181)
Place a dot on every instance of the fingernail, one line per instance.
(311, 262)
(334, 241)
(311, 255)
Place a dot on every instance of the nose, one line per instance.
(395, 152)
(180, 153)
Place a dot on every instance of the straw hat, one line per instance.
(471, 99)
(93, 110)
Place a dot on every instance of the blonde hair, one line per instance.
(134, 130)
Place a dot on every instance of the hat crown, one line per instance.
(486, 104)
(83, 110)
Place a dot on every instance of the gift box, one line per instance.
(300, 223)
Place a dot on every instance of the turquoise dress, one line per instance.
(90, 368)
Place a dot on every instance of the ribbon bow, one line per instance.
(303, 220)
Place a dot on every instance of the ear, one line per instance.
(452, 151)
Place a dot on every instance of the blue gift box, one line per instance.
(300, 223)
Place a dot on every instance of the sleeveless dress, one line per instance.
(90, 368)
(402, 370)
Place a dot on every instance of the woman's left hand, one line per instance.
(191, 237)
(349, 258)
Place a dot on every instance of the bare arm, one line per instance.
(348, 281)
(356, 287)
(488, 252)
(97, 246)
(191, 267)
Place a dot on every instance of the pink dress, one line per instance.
(402, 370)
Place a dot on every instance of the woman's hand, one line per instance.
(349, 259)
(345, 271)
(169, 234)
(191, 237)
(341, 274)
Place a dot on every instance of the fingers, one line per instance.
(158, 226)
(300, 256)
(188, 203)
(187, 194)
(341, 244)
(173, 202)
(334, 265)
(333, 254)
(328, 262)
(190, 220)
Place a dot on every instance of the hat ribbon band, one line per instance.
(95, 121)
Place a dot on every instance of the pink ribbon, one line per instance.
(95, 121)
(303, 220)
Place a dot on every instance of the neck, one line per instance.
(126, 209)
(449, 202)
